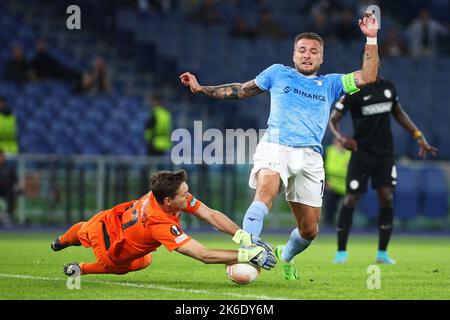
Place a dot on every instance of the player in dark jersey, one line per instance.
(372, 156)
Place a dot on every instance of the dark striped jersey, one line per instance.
(370, 109)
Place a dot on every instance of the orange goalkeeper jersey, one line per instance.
(136, 228)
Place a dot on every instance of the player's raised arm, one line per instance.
(225, 91)
(369, 71)
(405, 121)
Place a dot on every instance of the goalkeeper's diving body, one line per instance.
(291, 152)
(124, 237)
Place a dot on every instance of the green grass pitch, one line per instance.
(30, 270)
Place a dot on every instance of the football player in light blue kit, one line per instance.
(291, 151)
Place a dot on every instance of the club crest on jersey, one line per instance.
(319, 82)
(354, 184)
(387, 93)
(175, 230)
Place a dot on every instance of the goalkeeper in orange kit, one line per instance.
(124, 237)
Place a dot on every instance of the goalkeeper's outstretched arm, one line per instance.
(217, 219)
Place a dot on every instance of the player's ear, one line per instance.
(167, 201)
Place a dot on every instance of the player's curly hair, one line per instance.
(166, 183)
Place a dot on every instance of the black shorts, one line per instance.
(363, 165)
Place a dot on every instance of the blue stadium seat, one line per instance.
(102, 104)
(59, 89)
(95, 118)
(435, 192)
(106, 143)
(407, 193)
(35, 90)
(33, 137)
(401, 139)
(129, 104)
(369, 204)
(126, 19)
(120, 117)
(125, 40)
(442, 133)
(145, 55)
(9, 90)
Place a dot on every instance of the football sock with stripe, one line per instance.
(254, 218)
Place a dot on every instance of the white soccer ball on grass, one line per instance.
(242, 273)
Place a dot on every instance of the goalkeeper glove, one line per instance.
(247, 240)
(257, 256)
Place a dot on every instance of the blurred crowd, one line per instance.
(44, 66)
(413, 31)
(410, 28)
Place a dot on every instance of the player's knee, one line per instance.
(266, 192)
(116, 270)
(387, 200)
(310, 233)
(351, 200)
(121, 272)
(141, 263)
(147, 260)
(265, 197)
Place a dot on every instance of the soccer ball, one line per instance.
(242, 273)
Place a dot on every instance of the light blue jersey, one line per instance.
(299, 105)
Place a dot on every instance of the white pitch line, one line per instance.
(146, 286)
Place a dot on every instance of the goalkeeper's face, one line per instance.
(308, 56)
(179, 202)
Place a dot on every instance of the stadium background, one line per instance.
(82, 153)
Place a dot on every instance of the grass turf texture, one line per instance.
(422, 272)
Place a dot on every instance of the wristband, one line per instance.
(418, 135)
(243, 256)
(372, 40)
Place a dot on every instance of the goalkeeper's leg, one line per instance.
(98, 267)
(77, 234)
(69, 238)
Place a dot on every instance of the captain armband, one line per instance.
(348, 80)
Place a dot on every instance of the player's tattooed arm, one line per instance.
(225, 91)
(232, 90)
(369, 71)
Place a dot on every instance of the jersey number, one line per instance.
(132, 221)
